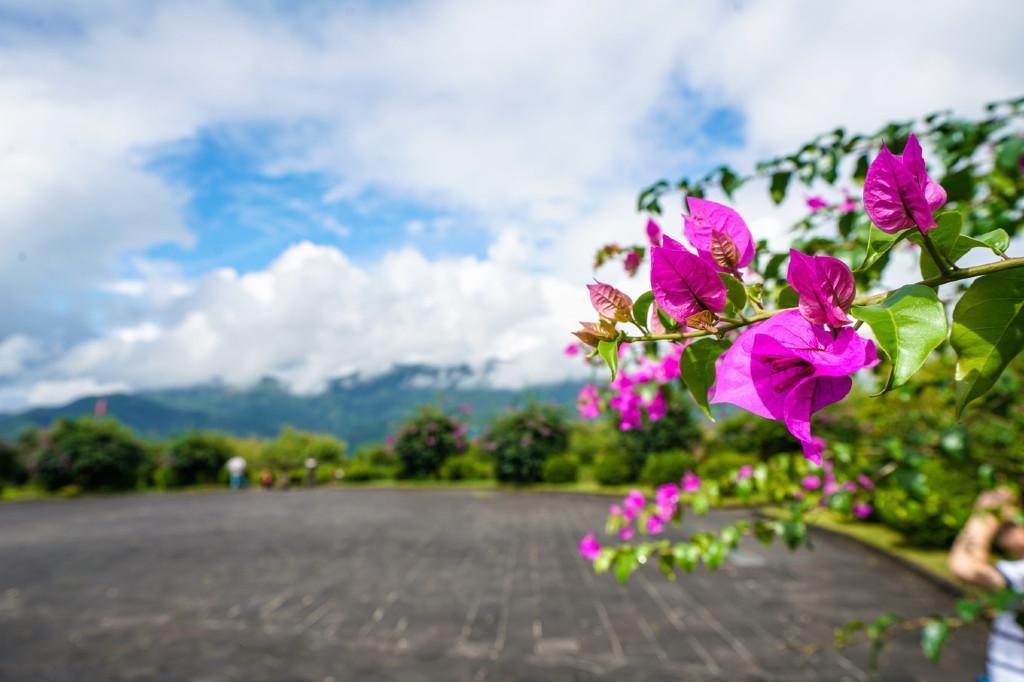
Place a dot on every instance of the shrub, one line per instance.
(675, 431)
(12, 466)
(561, 469)
(613, 469)
(588, 441)
(745, 432)
(426, 441)
(933, 508)
(197, 458)
(361, 471)
(92, 454)
(667, 467)
(292, 447)
(376, 454)
(720, 466)
(522, 440)
(465, 468)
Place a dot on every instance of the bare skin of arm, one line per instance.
(969, 560)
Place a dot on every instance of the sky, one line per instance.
(197, 192)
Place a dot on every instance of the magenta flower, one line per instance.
(746, 471)
(862, 510)
(831, 487)
(690, 482)
(825, 285)
(614, 510)
(850, 486)
(719, 235)
(816, 203)
(787, 369)
(655, 525)
(588, 402)
(656, 407)
(898, 192)
(634, 502)
(848, 204)
(653, 232)
(810, 482)
(865, 482)
(683, 284)
(589, 547)
(632, 263)
(572, 350)
(667, 495)
(626, 533)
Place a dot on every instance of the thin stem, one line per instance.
(940, 260)
(870, 299)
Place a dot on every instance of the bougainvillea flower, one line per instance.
(810, 482)
(655, 525)
(745, 472)
(626, 533)
(865, 482)
(667, 496)
(653, 232)
(683, 284)
(632, 263)
(634, 501)
(572, 350)
(825, 285)
(589, 547)
(862, 510)
(610, 303)
(816, 203)
(656, 407)
(614, 510)
(719, 235)
(787, 369)
(588, 402)
(898, 192)
(848, 204)
(690, 482)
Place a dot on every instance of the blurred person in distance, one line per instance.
(995, 520)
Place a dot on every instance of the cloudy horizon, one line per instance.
(205, 191)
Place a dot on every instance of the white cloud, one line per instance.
(541, 122)
(16, 352)
(313, 314)
(63, 391)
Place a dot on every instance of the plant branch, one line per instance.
(869, 299)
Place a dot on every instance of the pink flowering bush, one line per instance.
(521, 442)
(423, 443)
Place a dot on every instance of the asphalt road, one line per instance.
(364, 584)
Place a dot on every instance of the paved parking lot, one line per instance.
(369, 584)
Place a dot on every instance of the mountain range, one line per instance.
(354, 408)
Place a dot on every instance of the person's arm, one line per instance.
(969, 558)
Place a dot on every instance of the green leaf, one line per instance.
(879, 244)
(624, 566)
(736, 293)
(667, 565)
(788, 298)
(697, 367)
(700, 504)
(934, 636)
(729, 181)
(944, 237)
(969, 610)
(793, 533)
(988, 332)
(609, 350)
(908, 325)
(666, 321)
(778, 187)
(604, 560)
(861, 170)
(714, 555)
(641, 308)
(686, 556)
